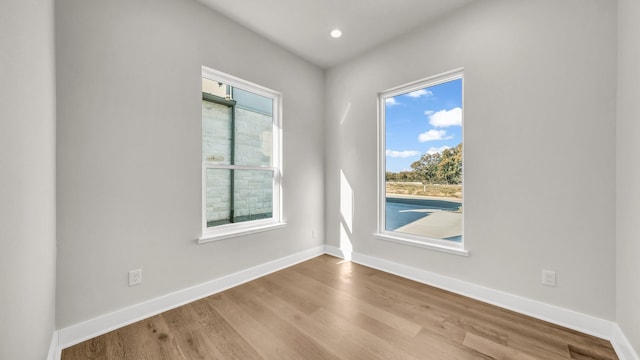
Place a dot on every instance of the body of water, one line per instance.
(402, 211)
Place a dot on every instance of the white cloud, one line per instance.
(429, 112)
(434, 134)
(402, 154)
(446, 118)
(391, 101)
(421, 92)
(434, 150)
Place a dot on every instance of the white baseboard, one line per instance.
(587, 324)
(91, 328)
(581, 322)
(622, 345)
(54, 351)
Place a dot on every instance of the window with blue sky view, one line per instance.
(423, 160)
(424, 121)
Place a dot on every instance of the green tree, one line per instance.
(427, 167)
(405, 176)
(401, 176)
(450, 166)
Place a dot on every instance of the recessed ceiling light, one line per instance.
(336, 33)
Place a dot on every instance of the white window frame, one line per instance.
(404, 238)
(226, 231)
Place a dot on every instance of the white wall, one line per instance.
(628, 172)
(540, 87)
(27, 180)
(129, 145)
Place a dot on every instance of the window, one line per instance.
(420, 163)
(241, 157)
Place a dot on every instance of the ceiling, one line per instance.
(303, 26)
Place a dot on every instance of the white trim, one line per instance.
(433, 244)
(430, 81)
(564, 317)
(234, 81)
(77, 333)
(622, 346)
(214, 166)
(605, 329)
(334, 251)
(399, 237)
(207, 238)
(247, 227)
(54, 351)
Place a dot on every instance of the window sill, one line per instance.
(211, 237)
(456, 249)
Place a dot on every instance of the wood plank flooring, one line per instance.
(326, 308)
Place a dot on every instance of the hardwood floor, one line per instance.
(326, 308)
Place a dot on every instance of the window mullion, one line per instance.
(210, 165)
(232, 161)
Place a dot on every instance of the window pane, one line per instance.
(252, 196)
(215, 88)
(216, 132)
(423, 159)
(254, 129)
(253, 102)
(218, 209)
(434, 218)
(240, 156)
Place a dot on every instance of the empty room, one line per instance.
(356, 179)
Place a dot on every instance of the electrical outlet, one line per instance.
(549, 278)
(135, 277)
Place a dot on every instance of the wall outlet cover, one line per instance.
(549, 278)
(135, 277)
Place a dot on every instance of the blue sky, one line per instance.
(427, 120)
